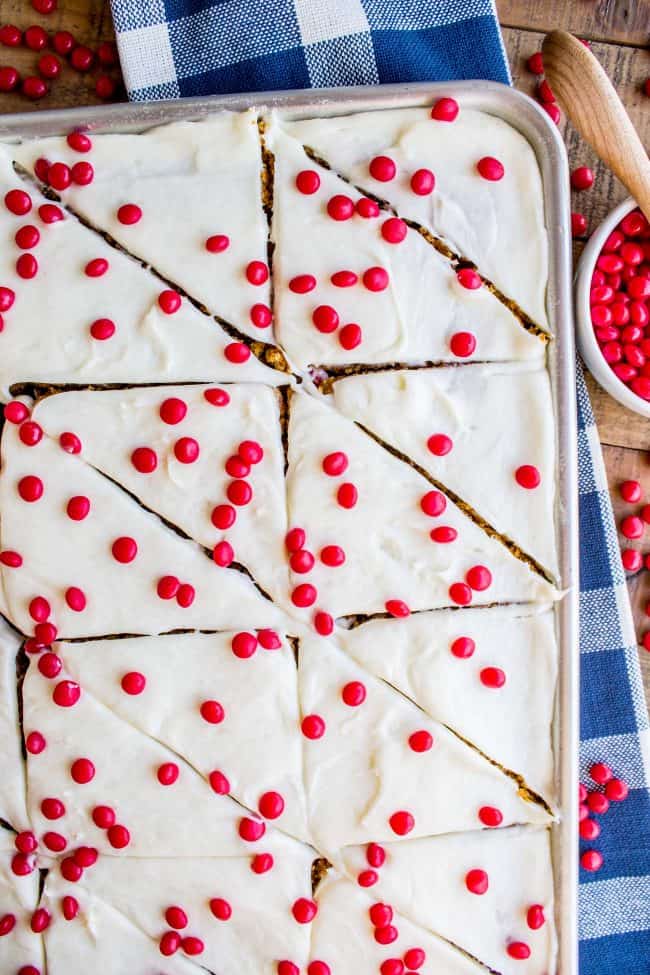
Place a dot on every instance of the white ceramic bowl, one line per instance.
(587, 342)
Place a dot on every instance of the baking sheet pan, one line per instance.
(528, 118)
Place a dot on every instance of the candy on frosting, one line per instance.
(385, 537)
(67, 324)
(184, 198)
(94, 558)
(499, 419)
(240, 920)
(355, 289)
(346, 938)
(365, 782)
(19, 944)
(97, 784)
(12, 772)
(440, 660)
(430, 880)
(215, 700)
(497, 223)
(181, 454)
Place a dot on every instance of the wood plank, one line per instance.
(90, 23)
(622, 21)
(621, 465)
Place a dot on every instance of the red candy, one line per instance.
(630, 491)
(477, 881)
(490, 816)
(490, 168)
(582, 178)
(307, 181)
(591, 860)
(423, 182)
(401, 822)
(445, 110)
(382, 168)
(340, 207)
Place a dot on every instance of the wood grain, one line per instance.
(90, 23)
(620, 29)
(626, 22)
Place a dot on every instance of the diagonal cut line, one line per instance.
(269, 355)
(456, 260)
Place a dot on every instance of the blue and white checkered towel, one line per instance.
(195, 47)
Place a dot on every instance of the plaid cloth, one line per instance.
(172, 48)
(194, 47)
(615, 901)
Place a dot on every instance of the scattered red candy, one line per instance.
(34, 88)
(591, 860)
(9, 78)
(105, 87)
(535, 64)
(82, 58)
(490, 169)
(632, 527)
(630, 491)
(582, 178)
(10, 36)
(445, 110)
(578, 224)
(632, 559)
(35, 38)
(49, 66)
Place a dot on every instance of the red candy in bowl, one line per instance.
(613, 306)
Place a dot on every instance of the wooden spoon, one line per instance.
(588, 97)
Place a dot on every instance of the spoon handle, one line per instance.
(588, 97)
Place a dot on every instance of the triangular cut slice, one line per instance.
(185, 198)
(12, 766)
(98, 938)
(228, 700)
(346, 938)
(489, 892)
(76, 310)
(353, 286)
(19, 945)
(499, 453)
(378, 769)
(489, 674)
(486, 200)
(94, 780)
(185, 452)
(371, 544)
(228, 917)
(97, 561)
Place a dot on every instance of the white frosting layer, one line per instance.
(343, 936)
(184, 819)
(512, 723)
(498, 418)
(412, 320)
(192, 180)
(100, 939)
(59, 553)
(498, 225)
(113, 423)
(46, 335)
(18, 896)
(12, 767)
(362, 770)
(257, 745)
(425, 880)
(260, 931)
(385, 536)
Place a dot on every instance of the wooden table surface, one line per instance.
(619, 31)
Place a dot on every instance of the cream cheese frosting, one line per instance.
(80, 532)
(489, 674)
(47, 333)
(133, 436)
(415, 315)
(192, 182)
(242, 920)
(95, 760)
(385, 538)
(345, 937)
(484, 891)
(499, 420)
(19, 945)
(381, 770)
(228, 699)
(498, 224)
(12, 769)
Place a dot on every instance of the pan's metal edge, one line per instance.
(523, 114)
